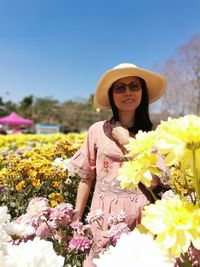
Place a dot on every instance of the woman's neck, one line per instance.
(127, 119)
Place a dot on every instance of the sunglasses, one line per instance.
(121, 87)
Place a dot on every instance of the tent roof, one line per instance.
(14, 120)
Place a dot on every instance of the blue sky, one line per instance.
(60, 48)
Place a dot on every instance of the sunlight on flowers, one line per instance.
(142, 163)
(142, 144)
(138, 170)
(177, 139)
(175, 222)
(129, 251)
(40, 253)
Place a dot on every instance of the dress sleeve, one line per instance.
(83, 161)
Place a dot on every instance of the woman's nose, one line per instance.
(127, 91)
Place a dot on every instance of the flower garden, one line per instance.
(38, 191)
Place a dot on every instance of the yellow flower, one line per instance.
(138, 170)
(177, 138)
(142, 144)
(175, 222)
(36, 183)
(56, 196)
(141, 151)
(53, 203)
(20, 186)
(181, 182)
(55, 184)
(32, 173)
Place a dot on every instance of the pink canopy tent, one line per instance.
(15, 120)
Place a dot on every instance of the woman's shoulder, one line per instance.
(154, 126)
(97, 125)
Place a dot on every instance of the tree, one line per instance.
(45, 110)
(183, 74)
(24, 108)
(2, 108)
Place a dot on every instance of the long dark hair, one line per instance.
(142, 119)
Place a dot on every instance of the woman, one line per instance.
(127, 90)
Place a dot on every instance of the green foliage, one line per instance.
(70, 115)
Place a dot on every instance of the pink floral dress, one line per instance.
(99, 158)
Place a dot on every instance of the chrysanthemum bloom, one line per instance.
(115, 231)
(37, 210)
(38, 253)
(20, 186)
(94, 216)
(56, 198)
(38, 205)
(143, 161)
(175, 223)
(4, 216)
(78, 227)
(168, 194)
(19, 230)
(4, 238)
(194, 256)
(177, 139)
(129, 251)
(81, 243)
(62, 214)
(116, 217)
(138, 170)
(142, 144)
(180, 181)
(45, 230)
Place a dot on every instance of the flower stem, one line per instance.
(188, 189)
(195, 177)
(153, 195)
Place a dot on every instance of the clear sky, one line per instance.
(60, 48)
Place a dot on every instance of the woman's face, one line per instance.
(127, 93)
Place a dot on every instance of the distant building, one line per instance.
(47, 128)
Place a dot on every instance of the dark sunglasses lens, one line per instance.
(134, 87)
(119, 89)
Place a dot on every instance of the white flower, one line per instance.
(64, 164)
(4, 216)
(15, 229)
(36, 253)
(134, 249)
(168, 194)
(3, 259)
(4, 237)
(61, 163)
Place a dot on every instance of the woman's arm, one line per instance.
(82, 195)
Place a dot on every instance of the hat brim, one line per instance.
(156, 84)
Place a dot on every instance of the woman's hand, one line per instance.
(154, 183)
(120, 134)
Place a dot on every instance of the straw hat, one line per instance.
(156, 83)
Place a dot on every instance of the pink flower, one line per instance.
(94, 216)
(112, 219)
(121, 216)
(193, 256)
(39, 206)
(78, 227)
(44, 231)
(81, 243)
(38, 209)
(62, 214)
(115, 232)
(116, 217)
